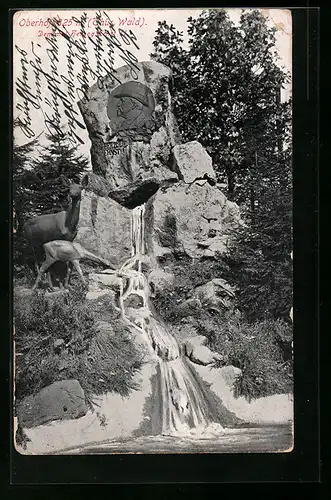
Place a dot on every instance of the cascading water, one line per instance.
(185, 411)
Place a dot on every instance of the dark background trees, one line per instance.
(226, 93)
(40, 183)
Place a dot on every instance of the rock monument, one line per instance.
(137, 157)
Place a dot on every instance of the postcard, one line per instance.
(152, 231)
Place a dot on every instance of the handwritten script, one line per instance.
(49, 83)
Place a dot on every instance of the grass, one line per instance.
(100, 360)
(257, 350)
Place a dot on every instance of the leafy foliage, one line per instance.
(226, 95)
(257, 349)
(46, 181)
(99, 362)
(260, 253)
(187, 276)
(226, 91)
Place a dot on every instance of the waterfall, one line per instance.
(185, 411)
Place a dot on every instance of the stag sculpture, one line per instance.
(58, 226)
(69, 252)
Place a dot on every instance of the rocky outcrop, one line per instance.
(130, 195)
(196, 220)
(104, 228)
(216, 294)
(196, 350)
(193, 163)
(137, 158)
(101, 281)
(158, 281)
(202, 355)
(189, 307)
(131, 126)
(136, 193)
(230, 375)
(61, 400)
(122, 417)
(193, 342)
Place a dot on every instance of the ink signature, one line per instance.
(62, 88)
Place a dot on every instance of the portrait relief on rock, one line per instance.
(130, 110)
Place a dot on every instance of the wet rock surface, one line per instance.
(193, 342)
(134, 301)
(202, 355)
(159, 280)
(135, 193)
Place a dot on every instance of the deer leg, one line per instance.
(69, 271)
(48, 262)
(76, 265)
(50, 282)
(66, 278)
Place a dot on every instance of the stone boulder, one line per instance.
(134, 301)
(230, 375)
(104, 228)
(192, 162)
(135, 193)
(131, 195)
(102, 281)
(189, 307)
(193, 342)
(202, 355)
(215, 294)
(64, 399)
(131, 125)
(159, 280)
(97, 294)
(196, 220)
(196, 350)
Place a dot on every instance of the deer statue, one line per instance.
(69, 252)
(58, 226)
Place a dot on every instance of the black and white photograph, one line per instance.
(152, 231)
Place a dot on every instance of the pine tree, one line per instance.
(22, 202)
(260, 256)
(226, 91)
(227, 96)
(58, 161)
(20, 163)
(40, 184)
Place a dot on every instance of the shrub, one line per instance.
(59, 339)
(188, 275)
(261, 349)
(257, 350)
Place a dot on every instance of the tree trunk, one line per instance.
(252, 200)
(231, 184)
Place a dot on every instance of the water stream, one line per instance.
(185, 410)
